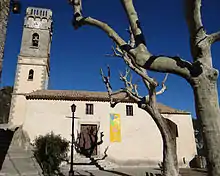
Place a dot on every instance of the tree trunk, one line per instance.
(4, 14)
(170, 163)
(207, 110)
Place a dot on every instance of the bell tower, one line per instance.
(33, 65)
(33, 61)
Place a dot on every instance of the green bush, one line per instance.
(50, 150)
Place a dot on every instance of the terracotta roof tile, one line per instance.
(73, 95)
(91, 96)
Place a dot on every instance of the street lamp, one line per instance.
(73, 109)
(16, 6)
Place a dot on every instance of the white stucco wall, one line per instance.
(23, 85)
(25, 64)
(17, 110)
(186, 146)
(141, 140)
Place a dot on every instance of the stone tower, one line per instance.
(33, 61)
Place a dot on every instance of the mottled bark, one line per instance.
(143, 59)
(170, 167)
(204, 85)
(199, 73)
(4, 14)
(207, 109)
(168, 133)
(170, 162)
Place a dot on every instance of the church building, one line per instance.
(130, 135)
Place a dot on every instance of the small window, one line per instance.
(31, 75)
(129, 110)
(35, 39)
(89, 108)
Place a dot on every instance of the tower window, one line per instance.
(31, 75)
(35, 39)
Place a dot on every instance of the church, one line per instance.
(130, 136)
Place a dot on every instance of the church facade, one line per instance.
(130, 135)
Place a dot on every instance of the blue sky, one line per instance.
(77, 55)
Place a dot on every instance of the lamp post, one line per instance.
(73, 109)
(4, 15)
(16, 6)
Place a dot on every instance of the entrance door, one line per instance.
(88, 139)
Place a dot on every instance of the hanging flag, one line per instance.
(115, 128)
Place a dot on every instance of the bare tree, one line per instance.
(148, 103)
(200, 72)
(4, 14)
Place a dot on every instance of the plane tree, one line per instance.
(199, 72)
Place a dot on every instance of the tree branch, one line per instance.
(214, 37)
(116, 52)
(198, 36)
(144, 58)
(135, 24)
(79, 20)
(128, 84)
(165, 64)
(140, 56)
(127, 90)
(138, 70)
(105, 27)
(153, 92)
(193, 16)
(131, 40)
(162, 90)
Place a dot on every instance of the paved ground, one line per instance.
(136, 172)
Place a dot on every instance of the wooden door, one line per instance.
(88, 139)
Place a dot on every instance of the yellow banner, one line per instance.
(115, 128)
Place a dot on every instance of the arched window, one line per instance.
(31, 75)
(35, 39)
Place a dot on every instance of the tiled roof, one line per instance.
(72, 95)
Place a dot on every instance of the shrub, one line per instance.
(50, 150)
